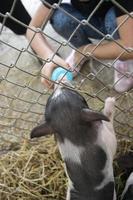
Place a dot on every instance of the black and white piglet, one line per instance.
(86, 141)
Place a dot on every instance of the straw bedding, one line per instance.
(34, 172)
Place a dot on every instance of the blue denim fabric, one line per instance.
(64, 25)
(110, 23)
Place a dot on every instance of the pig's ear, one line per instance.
(90, 115)
(41, 130)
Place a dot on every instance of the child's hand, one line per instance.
(48, 69)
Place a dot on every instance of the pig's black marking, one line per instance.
(87, 175)
(106, 193)
(72, 127)
(84, 179)
(125, 162)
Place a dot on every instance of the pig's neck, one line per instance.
(80, 135)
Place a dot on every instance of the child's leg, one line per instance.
(66, 25)
(19, 12)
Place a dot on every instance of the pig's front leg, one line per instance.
(109, 108)
(108, 129)
(107, 139)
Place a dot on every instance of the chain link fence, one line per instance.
(23, 97)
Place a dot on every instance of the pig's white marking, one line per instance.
(57, 93)
(128, 183)
(70, 151)
(114, 198)
(70, 187)
(68, 193)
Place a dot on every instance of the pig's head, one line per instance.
(68, 115)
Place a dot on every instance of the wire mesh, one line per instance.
(23, 97)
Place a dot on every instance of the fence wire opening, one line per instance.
(22, 95)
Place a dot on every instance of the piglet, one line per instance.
(86, 141)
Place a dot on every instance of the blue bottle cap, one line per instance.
(61, 72)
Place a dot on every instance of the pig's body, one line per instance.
(86, 142)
